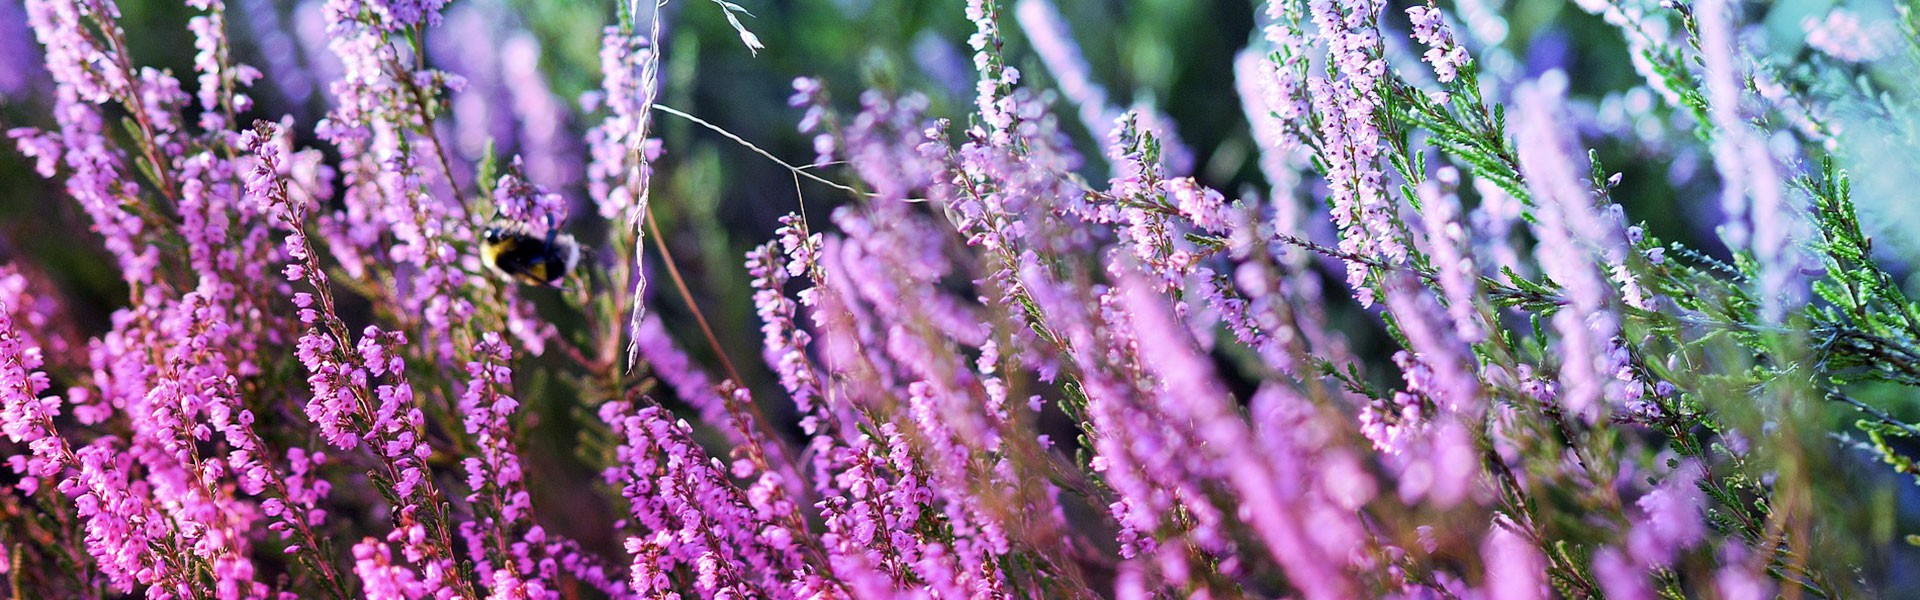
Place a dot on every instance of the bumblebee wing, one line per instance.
(570, 253)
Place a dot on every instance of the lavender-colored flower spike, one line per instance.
(1448, 244)
(996, 79)
(1567, 225)
(622, 169)
(1443, 51)
(1272, 100)
(1842, 35)
(1052, 40)
(1515, 568)
(1753, 196)
(1351, 142)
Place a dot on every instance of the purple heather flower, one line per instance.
(1568, 227)
(619, 177)
(1443, 366)
(1671, 518)
(1443, 52)
(26, 417)
(1448, 242)
(1619, 577)
(995, 77)
(1515, 568)
(495, 477)
(1190, 393)
(381, 578)
(1350, 143)
(1053, 41)
(1841, 34)
(921, 340)
(1739, 578)
(1753, 194)
(1273, 99)
(696, 517)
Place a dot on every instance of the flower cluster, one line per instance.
(1841, 35)
(1443, 52)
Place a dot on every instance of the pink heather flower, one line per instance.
(784, 345)
(1568, 225)
(1671, 518)
(393, 15)
(360, 394)
(1147, 204)
(1272, 100)
(1670, 521)
(620, 176)
(627, 67)
(1842, 35)
(1445, 366)
(1277, 89)
(998, 108)
(1443, 52)
(1448, 247)
(590, 569)
(882, 143)
(1204, 207)
(1515, 569)
(1390, 423)
(1190, 393)
(892, 261)
(219, 78)
(1351, 144)
(125, 533)
(73, 55)
(854, 298)
(1619, 577)
(1753, 195)
(41, 318)
(693, 516)
(903, 339)
(731, 415)
(1272, 82)
(1739, 578)
(1053, 42)
(26, 418)
(495, 477)
(689, 383)
(380, 578)
(98, 172)
(391, 180)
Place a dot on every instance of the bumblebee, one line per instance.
(519, 253)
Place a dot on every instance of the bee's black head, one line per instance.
(493, 235)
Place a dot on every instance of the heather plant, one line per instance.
(1025, 345)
